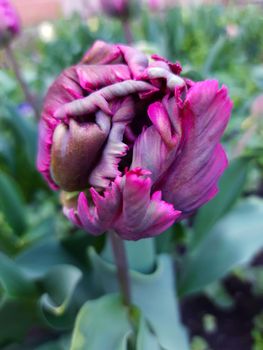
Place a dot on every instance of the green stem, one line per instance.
(15, 66)
(141, 254)
(119, 253)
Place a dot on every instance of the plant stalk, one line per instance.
(15, 66)
(127, 31)
(121, 261)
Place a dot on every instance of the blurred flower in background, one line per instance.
(117, 8)
(46, 32)
(232, 30)
(9, 22)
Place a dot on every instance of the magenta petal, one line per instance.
(150, 152)
(93, 77)
(45, 135)
(192, 179)
(136, 60)
(136, 194)
(88, 216)
(108, 205)
(142, 215)
(71, 214)
(102, 53)
(159, 217)
(160, 119)
(115, 148)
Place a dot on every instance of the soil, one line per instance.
(233, 326)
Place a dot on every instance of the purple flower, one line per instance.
(133, 145)
(116, 8)
(9, 22)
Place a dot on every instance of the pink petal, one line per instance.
(142, 215)
(115, 148)
(93, 77)
(102, 53)
(88, 216)
(136, 60)
(156, 147)
(150, 152)
(192, 179)
(108, 205)
(160, 119)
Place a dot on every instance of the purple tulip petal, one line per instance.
(160, 119)
(136, 60)
(102, 53)
(142, 215)
(93, 77)
(88, 216)
(192, 178)
(115, 149)
(150, 152)
(108, 205)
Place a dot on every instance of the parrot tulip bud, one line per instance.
(140, 141)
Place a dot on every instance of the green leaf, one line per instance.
(63, 280)
(60, 283)
(18, 302)
(12, 279)
(16, 318)
(37, 260)
(232, 242)
(214, 54)
(62, 344)
(230, 187)
(161, 313)
(102, 323)
(146, 339)
(25, 130)
(12, 204)
(8, 240)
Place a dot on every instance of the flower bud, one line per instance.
(9, 23)
(141, 142)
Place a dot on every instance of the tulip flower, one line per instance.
(9, 23)
(133, 146)
(116, 8)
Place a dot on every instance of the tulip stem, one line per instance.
(15, 66)
(127, 31)
(121, 261)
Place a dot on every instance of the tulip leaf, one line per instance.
(25, 130)
(37, 260)
(8, 240)
(102, 323)
(62, 344)
(12, 205)
(146, 339)
(232, 242)
(161, 313)
(60, 283)
(18, 301)
(230, 187)
(17, 316)
(12, 279)
(214, 54)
